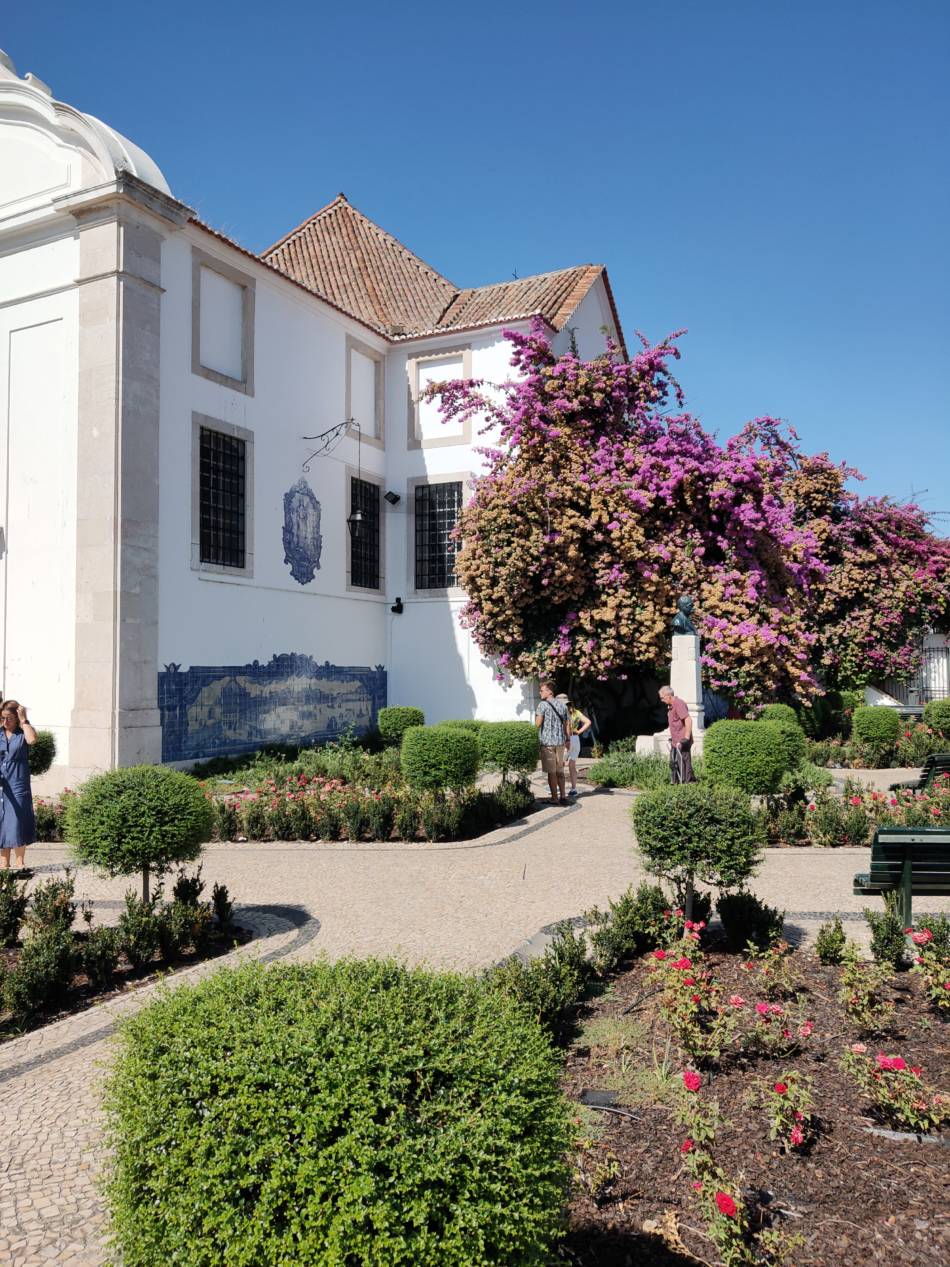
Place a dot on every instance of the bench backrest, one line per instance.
(927, 849)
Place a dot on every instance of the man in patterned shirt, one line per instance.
(552, 722)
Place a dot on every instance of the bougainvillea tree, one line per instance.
(603, 500)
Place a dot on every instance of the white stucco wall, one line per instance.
(38, 494)
(209, 618)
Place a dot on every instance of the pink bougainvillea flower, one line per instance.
(780, 1088)
(691, 1080)
(797, 1136)
(725, 1205)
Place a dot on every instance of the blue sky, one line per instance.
(771, 174)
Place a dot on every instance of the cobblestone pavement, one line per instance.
(460, 906)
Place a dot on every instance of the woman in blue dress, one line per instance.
(17, 824)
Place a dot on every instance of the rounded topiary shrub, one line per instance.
(42, 753)
(509, 745)
(464, 723)
(394, 722)
(362, 1112)
(937, 715)
(437, 757)
(879, 727)
(780, 713)
(143, 818)
(692, 832)
(751, 755)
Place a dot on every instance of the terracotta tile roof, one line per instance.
(351, 261)
(345, 258)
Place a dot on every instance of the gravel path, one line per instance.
(461, 906)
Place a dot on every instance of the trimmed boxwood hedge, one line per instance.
(393, 722)
(141, 818)
(464, 723)
(937, 715)
(356, 1112)
(436, 757)
(877, 726)
(780, 713)
(509, 745)
(752, 755)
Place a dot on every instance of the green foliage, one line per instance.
(142, 818)
(362, 1113)
(188, 888)
(464, 723)
(782, 713)
(49, 817)
(508, 745)
(752, 755)
(52, 904)
(42, 975)
(438, 757)
(692, 831)
(803, 782)
(746, 919)
(630, 926)
(547, 985)
(175, 927)
(223, 907)
(627, 769)
(42, 753)
(888, 943)
(830, 942)
(393, 723)
(139, 930)
(937, 715)
(99, 956)
(13, 904)
(877, 728)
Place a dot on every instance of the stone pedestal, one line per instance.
(686, 681)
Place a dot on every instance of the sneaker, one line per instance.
(572, 793)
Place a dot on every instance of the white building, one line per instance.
(177, 581)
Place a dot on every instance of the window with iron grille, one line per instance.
(364, 547)
(437, 511)
(223, 509)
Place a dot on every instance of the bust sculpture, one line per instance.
(682, 622)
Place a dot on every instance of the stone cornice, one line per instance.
(125, 191)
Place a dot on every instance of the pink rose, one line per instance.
(797, 1136)
(659, 954)
(736, 1000)
(691, 1080)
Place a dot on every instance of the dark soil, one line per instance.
(855, 1197)
(82, 994)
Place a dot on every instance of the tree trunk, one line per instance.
(145, 884)
(688, 906)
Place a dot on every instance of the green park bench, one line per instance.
(909, 861)
(936, 764)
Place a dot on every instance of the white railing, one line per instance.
(932, 679)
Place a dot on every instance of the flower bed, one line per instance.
(785, 1128)
(829, 820)
(915, 742)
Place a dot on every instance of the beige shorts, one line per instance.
(552, 758)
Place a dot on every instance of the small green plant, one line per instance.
(627, 769)
(43, 973)
(549, 984)
(42, 753)
(99, 956)
(52, 904)
(175, 929)
(141, 818)
(746, 919)
(13, 904)
(862, 993)
(437, 757)
(188, 888)
(788, 1103)
(629, 926)
(393, 722)
(896, 1090)
(223, 907)
(888, 944)
(830, 942)
(139, 930)
(937, 716)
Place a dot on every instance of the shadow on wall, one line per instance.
(222, 710)
(428, 661)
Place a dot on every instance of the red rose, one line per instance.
(780, 1088)
(691, 1080)
(686, 1146)
(726, 1205)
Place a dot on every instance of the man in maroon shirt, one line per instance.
(681, 737)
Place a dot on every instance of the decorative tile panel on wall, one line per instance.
(303, 542)
(217, 710)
